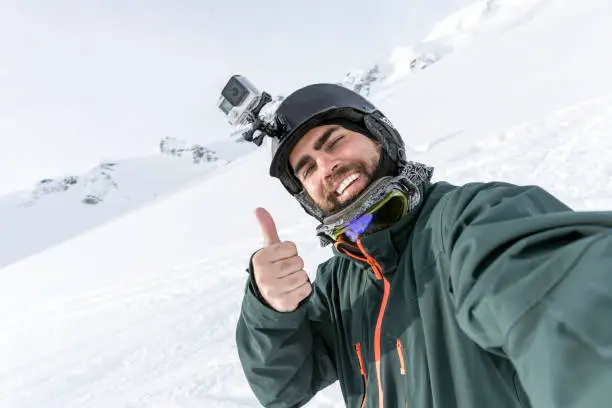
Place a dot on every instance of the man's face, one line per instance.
(334, 164)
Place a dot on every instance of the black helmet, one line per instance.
(312, 105)
(320, 104)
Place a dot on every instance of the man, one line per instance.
(476, 296)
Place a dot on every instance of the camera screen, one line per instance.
(235, 92)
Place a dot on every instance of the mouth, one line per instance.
(343, 187)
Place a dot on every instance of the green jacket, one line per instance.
(491, 295)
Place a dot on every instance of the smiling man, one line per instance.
(334, 164)
(436, 296)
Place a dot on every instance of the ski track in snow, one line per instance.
(134, 342)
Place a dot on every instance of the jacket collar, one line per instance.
(385, 246)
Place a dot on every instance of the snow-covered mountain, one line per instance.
(474, 22)
(60, 208)
(141, 310)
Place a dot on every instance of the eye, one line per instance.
(307, 171)
(335, 142)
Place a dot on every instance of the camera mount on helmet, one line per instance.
(257, 124)
(242, 102)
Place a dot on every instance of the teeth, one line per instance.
(347, 181)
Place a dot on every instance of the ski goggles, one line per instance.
(385, 199)
(390, 209)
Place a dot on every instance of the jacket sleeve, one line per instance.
(283, 355)
(532, 280)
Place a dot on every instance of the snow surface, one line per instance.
(59, 208)
(134, 303)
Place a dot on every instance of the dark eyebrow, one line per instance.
(317, 146)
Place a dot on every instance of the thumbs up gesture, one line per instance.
(278, 269)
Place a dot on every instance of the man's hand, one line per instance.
(279, 270)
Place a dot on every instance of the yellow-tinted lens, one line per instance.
(395, 196)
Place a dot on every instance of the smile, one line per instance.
(346, 182)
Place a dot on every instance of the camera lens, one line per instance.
(235, 92)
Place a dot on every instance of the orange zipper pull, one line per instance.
(360, 359)
(400, 354)
(363, 373)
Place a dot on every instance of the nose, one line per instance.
(327, 164)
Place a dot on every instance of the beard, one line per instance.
(331, 202)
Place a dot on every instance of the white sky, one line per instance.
(84, 80)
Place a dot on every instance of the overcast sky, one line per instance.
(82, 81)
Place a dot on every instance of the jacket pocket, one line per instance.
(362, 371)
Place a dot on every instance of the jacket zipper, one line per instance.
(400, 355)
(378, 331)
(363, 372)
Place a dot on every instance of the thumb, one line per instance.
(268, 228)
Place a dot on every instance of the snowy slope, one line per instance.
(60, 208)
(140, 311)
